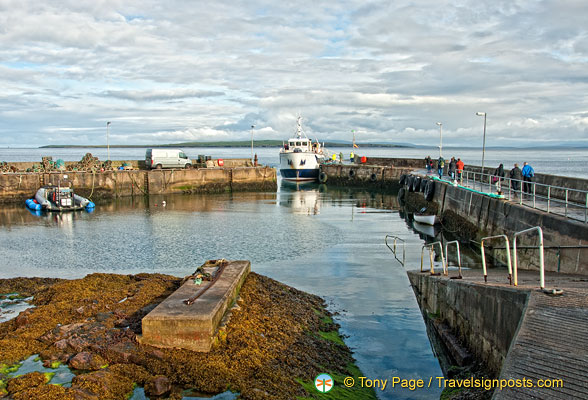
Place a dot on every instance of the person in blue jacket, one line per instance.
(528, 174)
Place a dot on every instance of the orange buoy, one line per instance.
(363, 159)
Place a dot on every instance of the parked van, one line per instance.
(166, 158)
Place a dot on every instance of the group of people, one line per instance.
(454, 170)
(517, 176)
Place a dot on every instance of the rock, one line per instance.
(87, 361)
(158, 386)
(60, 332)
(23, 318)
(81, 394)
(103, 316)
(123, 352)
(26, 381)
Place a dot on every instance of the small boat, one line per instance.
(58, 198)
(426, 219)
(300, 157)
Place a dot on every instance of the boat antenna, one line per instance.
(299, 133)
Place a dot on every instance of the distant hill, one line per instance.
(243, 143)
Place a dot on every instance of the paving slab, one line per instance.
(175, 324)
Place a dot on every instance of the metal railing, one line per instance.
(458, 257)
(431, 246)
(539, 246)
(569, 202)
(393, 249)
(483, 255)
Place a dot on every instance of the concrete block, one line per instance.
(174, 324)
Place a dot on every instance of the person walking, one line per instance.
(459, 165)
(452, 168)
(341, 158)
(516, 175)
(351, 157)
(428, 164)
(528, 174)
(440, 166)
(498, 178)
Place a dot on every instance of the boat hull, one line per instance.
(44, 198)
(299, 167)
(426, 219)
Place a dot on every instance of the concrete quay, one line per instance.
(176, 324)
(517, 332)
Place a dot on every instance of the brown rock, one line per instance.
(87, 361)
(158, 386)
(81, 394)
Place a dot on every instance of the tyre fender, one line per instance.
(429, 190)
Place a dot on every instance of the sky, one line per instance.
(177, 71)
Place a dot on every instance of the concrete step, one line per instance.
(175, 324)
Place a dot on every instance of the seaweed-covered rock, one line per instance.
(26, 381)
(87, 361)
(158, 386)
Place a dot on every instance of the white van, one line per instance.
(166, 158)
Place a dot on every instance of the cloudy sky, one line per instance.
(169, 71)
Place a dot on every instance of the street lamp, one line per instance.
(440, 139)
(252, 126)
(480, 114)
(107, 143)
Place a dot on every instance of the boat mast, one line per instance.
(299, 127)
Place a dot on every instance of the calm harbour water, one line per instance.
(317, 239)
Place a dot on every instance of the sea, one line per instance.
(557, 161)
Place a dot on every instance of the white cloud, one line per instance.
(186, 71)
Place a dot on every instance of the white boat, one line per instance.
(426, 219)
(300, 157)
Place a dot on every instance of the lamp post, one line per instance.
(252, 126)
(440, 139)
(107, 143)
(480, 114)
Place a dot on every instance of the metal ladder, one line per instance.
(512, 267)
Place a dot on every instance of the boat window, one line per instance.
(291, 143)
(298, 144)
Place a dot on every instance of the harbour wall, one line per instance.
(490, 216)
(112, 184)
(364, 175)
(485, 318)
(136, 164)
(494, 216)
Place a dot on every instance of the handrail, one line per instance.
(507, 256)
(431, 249)
(458, 257)
(568, 198)
(393, 250)
(541, 261)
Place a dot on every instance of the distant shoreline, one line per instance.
(257, 143)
